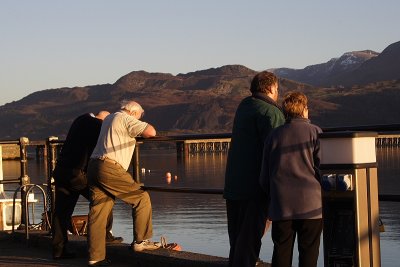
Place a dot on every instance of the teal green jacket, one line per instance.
(255, 118)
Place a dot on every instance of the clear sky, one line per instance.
(48, 44)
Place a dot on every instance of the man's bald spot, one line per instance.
(102, 114)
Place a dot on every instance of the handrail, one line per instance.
(14, 181)
(161, 138)
(9, 142)
(172, 138)
(186, 137)
(219, 191)
(376, 128)
(380, 128)
(216, 191)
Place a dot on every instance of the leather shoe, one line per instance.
(105, 262)
(114, 239)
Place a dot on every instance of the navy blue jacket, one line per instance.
(290, 171)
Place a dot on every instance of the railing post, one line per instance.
(24, 178)
(136, 164)
(51, 164)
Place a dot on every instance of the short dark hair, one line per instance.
(263, 81)
(294, 104)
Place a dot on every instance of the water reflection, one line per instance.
(388, 170)
(195, 170)
(198, 222)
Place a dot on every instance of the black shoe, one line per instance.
(114, 239)
(105, 262)
(64, 255)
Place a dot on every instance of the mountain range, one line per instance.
(351, 69)
(357, 88)
(329, 73)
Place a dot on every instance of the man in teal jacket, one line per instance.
(255, 118)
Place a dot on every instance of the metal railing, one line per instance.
(52, 145)
(381, 129)
(25, 186)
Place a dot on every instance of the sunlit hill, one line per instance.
(357, 88)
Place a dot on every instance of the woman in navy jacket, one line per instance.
(290, 179)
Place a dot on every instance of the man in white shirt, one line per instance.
(108, 179)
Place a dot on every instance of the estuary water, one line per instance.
(198, 221)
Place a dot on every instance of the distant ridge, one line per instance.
(327, 74)
(357, 88)
(384, 67)
(235, 70)
(352, 68)
(136, 80)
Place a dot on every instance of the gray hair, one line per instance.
(131, 106)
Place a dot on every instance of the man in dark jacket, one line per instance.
(71, 181)
(255, 118)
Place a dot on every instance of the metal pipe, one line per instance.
(10, 142)
(136, 164)
(24, 178)
(374, 128)
(51, 144)
(14, 181)
(219, 191)
(216, 191)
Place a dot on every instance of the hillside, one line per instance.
(326, 74)
(384, 67)
(205, 101)
(199, 101)
(352, 68)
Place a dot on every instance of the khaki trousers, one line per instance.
(108, 181)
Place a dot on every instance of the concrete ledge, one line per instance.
(119, 254)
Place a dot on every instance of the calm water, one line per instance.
(198, 222)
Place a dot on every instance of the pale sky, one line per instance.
(48, 44)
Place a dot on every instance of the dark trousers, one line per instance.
(69, 186)
(246, 225)
(308, 239)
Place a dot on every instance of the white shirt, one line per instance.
(117, 138)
